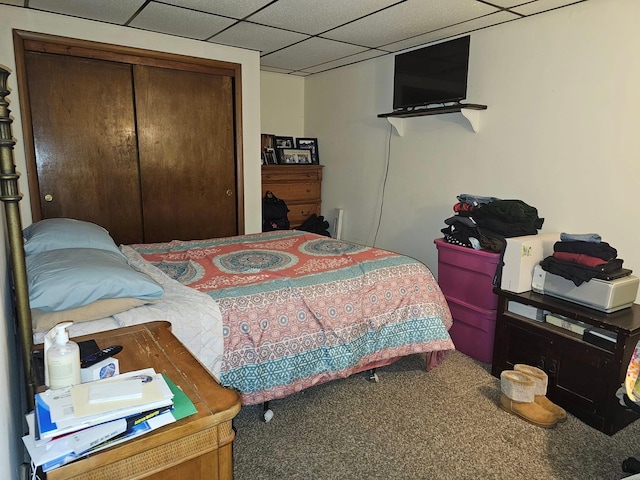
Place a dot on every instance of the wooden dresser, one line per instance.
(298, 185)
(196, 447)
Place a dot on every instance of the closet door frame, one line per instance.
(38, 42)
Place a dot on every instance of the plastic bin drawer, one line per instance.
(466, 274)
(473, 330)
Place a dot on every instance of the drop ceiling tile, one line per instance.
(316, 16)
(447, 32)
(257, 37)
(509, 3)
(358, 57)
(113, 11)
(275, 69)
(229, 8)
(16, 3)
(542, 6)
(408, 19)
(309, 53)
(179, 21)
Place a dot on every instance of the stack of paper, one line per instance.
(70, 423)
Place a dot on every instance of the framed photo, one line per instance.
(304, 156)
(310, 144)
(283, 142)
(269, 156)
(293, 156)
(268, 141)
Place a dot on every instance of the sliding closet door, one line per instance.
(84, 137)
(186, 153)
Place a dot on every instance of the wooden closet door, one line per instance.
(187, 154)
(85, 142)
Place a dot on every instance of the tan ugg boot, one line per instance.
(541, 380)
(518, 399)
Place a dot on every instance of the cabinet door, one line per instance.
(579, 376)
(187, 154)
(525, 344)
(84, 136)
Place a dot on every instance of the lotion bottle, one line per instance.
(63, 359)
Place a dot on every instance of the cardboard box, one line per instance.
(521, 255)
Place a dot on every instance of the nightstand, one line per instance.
(198, 446)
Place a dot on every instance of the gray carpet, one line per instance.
(444, 424)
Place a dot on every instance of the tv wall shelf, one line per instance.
(470, 111)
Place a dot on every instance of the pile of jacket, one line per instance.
(581, 257)
(484, 222)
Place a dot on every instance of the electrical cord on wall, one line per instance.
(384, 184)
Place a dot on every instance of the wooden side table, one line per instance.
(196, 447)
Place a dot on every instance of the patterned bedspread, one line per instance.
(301, 309)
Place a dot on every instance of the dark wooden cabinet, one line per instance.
(583, 378)
(142, 143)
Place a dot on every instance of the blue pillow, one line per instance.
(57, 233)
(74, 277)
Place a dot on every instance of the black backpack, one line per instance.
(274, 213)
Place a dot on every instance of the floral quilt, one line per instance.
(300, 309)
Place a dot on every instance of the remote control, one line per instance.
(99, 356)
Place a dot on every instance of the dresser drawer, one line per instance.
(291, 173)
(298, 213)
(291, 192)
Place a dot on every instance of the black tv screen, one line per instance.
(434, 74)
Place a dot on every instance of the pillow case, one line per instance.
(44, 321)
(73, 277)
(58, 233)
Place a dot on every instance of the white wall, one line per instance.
(282, 104)
(560, 133)
(30, 20)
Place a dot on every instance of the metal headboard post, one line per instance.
(10, 195)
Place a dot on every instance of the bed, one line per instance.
(268, 314)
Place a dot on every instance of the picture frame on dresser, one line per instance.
(309, 143)
(287, 156)
(269, 155)
(283, 142)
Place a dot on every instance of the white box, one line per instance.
(108, 367)
(521, 255)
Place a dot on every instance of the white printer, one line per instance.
(604, 295)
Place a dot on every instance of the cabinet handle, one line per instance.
(229, 192)
(48, 197)
(308, 212)
(541, 363)
(553, 368)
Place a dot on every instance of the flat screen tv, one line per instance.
(431, 75)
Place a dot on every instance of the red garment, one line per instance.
(462, 207)
(579, 258)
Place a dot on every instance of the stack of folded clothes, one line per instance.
(484, 222)
(581, 257)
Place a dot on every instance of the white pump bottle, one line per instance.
(62, 359)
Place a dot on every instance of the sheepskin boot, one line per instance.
(541, 380)
(518, 394)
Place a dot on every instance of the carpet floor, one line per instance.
(412, 424)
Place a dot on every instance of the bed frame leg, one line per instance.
(267, 413)
(373, 376)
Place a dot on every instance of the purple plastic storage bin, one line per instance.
(473, 330)
(467, 275)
